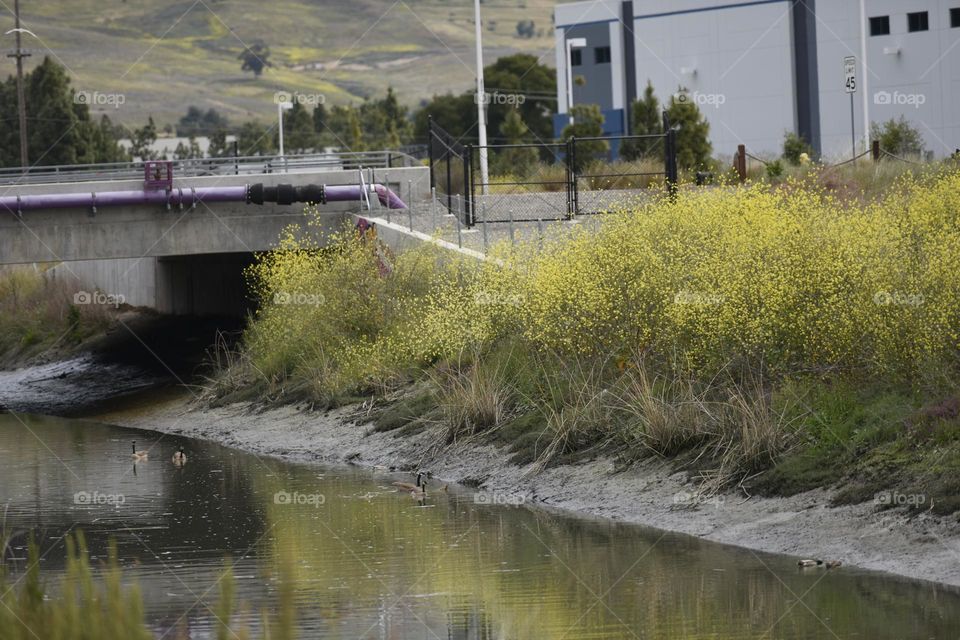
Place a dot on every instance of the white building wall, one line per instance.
(920, 70)
(737, 62)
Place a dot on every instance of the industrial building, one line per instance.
(760, 68)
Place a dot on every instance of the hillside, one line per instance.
(163, 56)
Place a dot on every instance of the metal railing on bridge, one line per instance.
(233, 165)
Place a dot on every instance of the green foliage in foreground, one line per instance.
(80, 610)
(37, 313)
(701, 325)
(92, 604)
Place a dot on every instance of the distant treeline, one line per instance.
(61, 129)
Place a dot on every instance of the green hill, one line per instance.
(165, 55)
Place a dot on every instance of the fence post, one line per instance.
(742, 162)
(483, 221)
(511, 227)
(433, 181)
(572, 195)
(468, 185)
(670, 155)
(433, 207)
(876, 150)
(459, 234)
(446, 154)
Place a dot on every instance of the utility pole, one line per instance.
(481, 101)
(21, 101)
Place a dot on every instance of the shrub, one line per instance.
(898, 137)
(794, 147)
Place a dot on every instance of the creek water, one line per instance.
(362, 560)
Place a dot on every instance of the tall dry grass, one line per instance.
(38, 312)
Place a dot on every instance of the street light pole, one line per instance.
(865, 81)
(281, 105)
(481, 102)
(571, 44)
(21, 100)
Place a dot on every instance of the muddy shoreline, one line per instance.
(925, 547)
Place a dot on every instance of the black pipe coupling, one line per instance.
(286, 194)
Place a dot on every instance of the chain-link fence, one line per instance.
(548, 181)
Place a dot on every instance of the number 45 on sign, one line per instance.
(850, 71)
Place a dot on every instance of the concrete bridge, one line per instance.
(185, 258)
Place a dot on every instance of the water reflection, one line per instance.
(371, 562)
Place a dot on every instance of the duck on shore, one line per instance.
(808, 563)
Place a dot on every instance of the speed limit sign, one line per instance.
(850, 72)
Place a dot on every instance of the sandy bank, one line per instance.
(925, 547)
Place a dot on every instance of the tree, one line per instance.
(514, 160)
(377, 123)
(519, 82)
(355, 138)
(693, 131)
(526, 28)
(60, 128)
(256, 139)
(898, 137)
(523, 83)
(188, 152)
(218, 145)
(142, 140)
(200, 123)
(298, 133)
(645, 119)
(587, 123)
(455, 114)
(794, 147)
(255, 58)
(105, 143)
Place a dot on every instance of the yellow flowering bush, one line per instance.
(787, 278)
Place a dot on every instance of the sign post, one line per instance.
(850, 86)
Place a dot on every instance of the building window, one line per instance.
(880, 26)
(575, 59)
(601, 55)
(919, 21)
(955, 18)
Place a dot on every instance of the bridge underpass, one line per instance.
(177, 259)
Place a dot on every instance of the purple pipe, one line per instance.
(190, 196)
(175, 197)
(344, 193)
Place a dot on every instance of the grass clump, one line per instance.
(38, 313)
